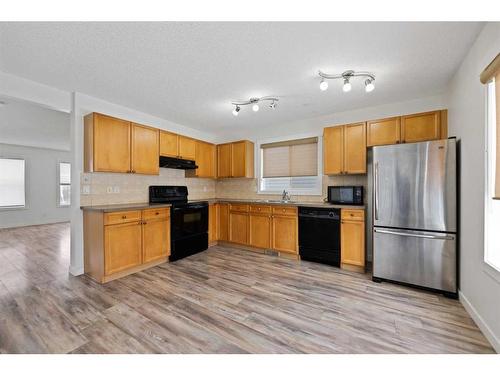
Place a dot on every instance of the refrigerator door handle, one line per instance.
(404, 234)
(375, 189)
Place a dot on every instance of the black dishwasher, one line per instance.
(319, 235)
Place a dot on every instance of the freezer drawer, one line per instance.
(426, 259)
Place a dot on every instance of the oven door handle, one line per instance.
(190, 207)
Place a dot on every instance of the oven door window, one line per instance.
(189, 221)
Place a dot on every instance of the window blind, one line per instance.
(492, 71)
(290, 158)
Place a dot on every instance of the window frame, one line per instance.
(58, 183)
(26, 205)
(317, 191)
(491, 269)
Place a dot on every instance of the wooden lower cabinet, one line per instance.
(284, 233)
(223, 219)
(123, 242)
(260, 230)
(238, 227)
(122, 247)
(213, 209)
(352, 238)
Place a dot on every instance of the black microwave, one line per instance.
(349, 195)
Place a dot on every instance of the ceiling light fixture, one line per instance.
(323, 86)
(254, 103)
(346, 76)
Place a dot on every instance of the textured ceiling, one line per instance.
(189, 72)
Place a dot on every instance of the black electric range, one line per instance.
(188, 220)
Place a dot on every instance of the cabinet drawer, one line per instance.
(258, 208)
(357, 215)
(285, 210)
(238, 207)
(120, 217)
(155, 213)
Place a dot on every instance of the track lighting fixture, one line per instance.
(323, 86)
(254, 102)
(347, 76)
(369, 86)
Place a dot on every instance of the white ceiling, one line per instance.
(189, 72)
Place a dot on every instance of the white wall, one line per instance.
(41, 187)
(480, 291)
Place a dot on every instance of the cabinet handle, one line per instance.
(157, 213)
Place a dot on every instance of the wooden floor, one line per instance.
(220, 301)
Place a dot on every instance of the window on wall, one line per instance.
(492, 206)
(12, 184)
(291, 165)
(64, 184)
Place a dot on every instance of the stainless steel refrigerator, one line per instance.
(414, 191)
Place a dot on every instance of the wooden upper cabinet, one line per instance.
(333, 150)
(242, 154)
(145, 150)
(106, 144)
(169, 144)
(383, 132)
(205, 160)
(224, 160)
(421, 127)
(187, 148)
(355, 148)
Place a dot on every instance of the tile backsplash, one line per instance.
(127, 188)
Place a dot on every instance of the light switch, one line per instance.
(116, 189)
(86, 189)
(109, 189)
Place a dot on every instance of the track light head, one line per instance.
(272, 105)
(347, 85)
(323, 86)
(236, 110)
(369, 85)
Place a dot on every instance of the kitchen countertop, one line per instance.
(146, 205)
(124, 207)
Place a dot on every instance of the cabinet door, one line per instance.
(383, 132)
(355, 148)
(212, 223)
(122, 247)
(352, 242)
(145, 150)
(224, 160)
(155, 239)
(111, 144)
(169, 144)
(260, 230)
(205, 159)
(238, 159)
(238, 227)
(284, 233)
(223, 227)
(187, 148)
(421, 127)
(333, 150)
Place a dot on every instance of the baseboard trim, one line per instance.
(487, 332)
(76, 271)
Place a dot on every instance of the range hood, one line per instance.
(167, 162)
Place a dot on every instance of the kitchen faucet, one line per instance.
(285, 196)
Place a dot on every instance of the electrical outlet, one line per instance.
(86, 189)
(86, 179)
(116, 189)
(109, 189)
